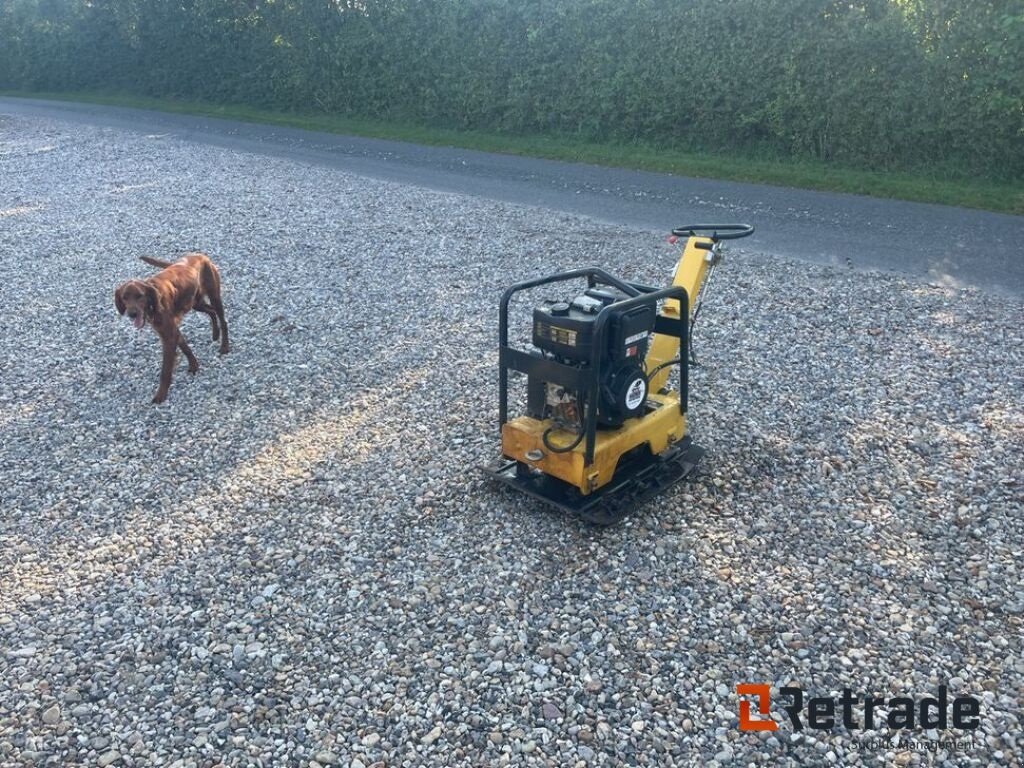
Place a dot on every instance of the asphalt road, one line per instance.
(953, 246)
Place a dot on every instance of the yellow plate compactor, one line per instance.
(603, 428)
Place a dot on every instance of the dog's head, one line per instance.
(138, 300)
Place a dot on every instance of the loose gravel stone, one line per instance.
(293, 561)
(432, 736)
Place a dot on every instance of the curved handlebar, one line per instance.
(718, 231)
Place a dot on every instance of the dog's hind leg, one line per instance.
(218, 306)
(193, 364)
(211, 289)
(206, 309)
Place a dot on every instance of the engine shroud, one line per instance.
(565, 331)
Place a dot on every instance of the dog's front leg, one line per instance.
(170, 354)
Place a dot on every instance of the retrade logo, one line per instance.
(763, 694)
(856, 712)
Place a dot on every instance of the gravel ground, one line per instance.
(291, 562)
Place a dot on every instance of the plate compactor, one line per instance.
(603, 429)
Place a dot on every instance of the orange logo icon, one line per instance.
(763, 694)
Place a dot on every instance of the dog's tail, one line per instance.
(155, 262)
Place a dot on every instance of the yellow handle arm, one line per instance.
(691, 271)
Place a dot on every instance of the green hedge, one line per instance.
(872, 84)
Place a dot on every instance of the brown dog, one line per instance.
(163, 300)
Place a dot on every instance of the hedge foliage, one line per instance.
(875, 84)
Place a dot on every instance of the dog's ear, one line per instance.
(153, 302)
(118, 301)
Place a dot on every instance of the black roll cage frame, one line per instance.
(588, 379)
